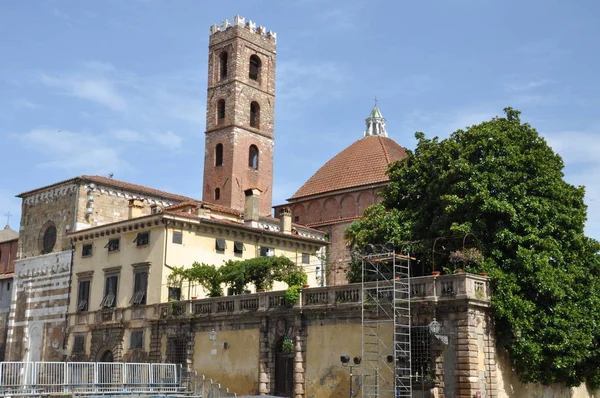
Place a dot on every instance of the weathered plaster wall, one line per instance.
(235, 367)
(509, 385)
(325, 376)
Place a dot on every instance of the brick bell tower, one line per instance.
(240, 114)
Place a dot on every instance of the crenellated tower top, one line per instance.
(241, 22)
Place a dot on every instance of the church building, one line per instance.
(340, 191)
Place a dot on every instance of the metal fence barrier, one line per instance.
(77, 378)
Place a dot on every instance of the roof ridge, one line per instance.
(385, 152)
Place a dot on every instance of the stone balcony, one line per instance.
(473, 288)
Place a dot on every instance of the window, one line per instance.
(111, 283)
(177, 237)
(79, 343)
(253, 157)
(220, 110)
(86, 250)
(254, 114)
(217, 193)
(49, 237)
(219, 155)
(238, 247)
(223, 65)
(177, 349)
(174, 293)
(296, 218)
(305, 258)
(83, 295)
(7, 286)
(137, 340)
(254, 69)
(140, 288)
(220, 245)
(142, 239)
(422, 365)
(267, 251)
(113, 245)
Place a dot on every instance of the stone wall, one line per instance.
(37, 322)
(73, 206)
(324, 325)
(53, 206)
(333, 213)
(234, 130)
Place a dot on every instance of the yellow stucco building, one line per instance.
(127, 264)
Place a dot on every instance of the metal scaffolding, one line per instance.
(386, 324)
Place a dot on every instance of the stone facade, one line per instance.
(240, 111)
(37, 322)
(333, 213)
(324, 325)
(42, 281)
(77, 204)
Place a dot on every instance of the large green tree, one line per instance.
(498, 187)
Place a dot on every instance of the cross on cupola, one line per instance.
(375, 123)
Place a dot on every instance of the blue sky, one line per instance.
(120, 86)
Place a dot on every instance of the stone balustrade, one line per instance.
(423, 289)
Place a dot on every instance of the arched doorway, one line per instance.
(105, 369)
(284, 368)
(107, 356)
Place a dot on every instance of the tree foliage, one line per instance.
(238, 274)
(498, 187)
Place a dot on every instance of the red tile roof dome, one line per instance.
(362, 163)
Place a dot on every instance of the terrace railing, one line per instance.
(423, 289)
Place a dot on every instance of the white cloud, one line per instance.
(99, 90)
(579, 150)
(126, 135)
(525, 85)
(301, 81)
(575, 147)
(100, 153)
(166, 139)
(74, 151)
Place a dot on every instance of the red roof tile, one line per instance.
(362, 163)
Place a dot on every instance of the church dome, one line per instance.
(364, 162)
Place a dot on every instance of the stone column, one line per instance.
(490, 357)
(264, 381)
(299, 358)
(472, 374)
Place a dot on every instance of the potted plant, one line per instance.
(287, 345)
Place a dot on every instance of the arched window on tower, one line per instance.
(220, 110)
(253, 157)
(219, 155)
(223, 65)
(254, 114)
(254, 69)
(217, 193)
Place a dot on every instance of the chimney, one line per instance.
(285, 218)
(252, 204)
(135, 208)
